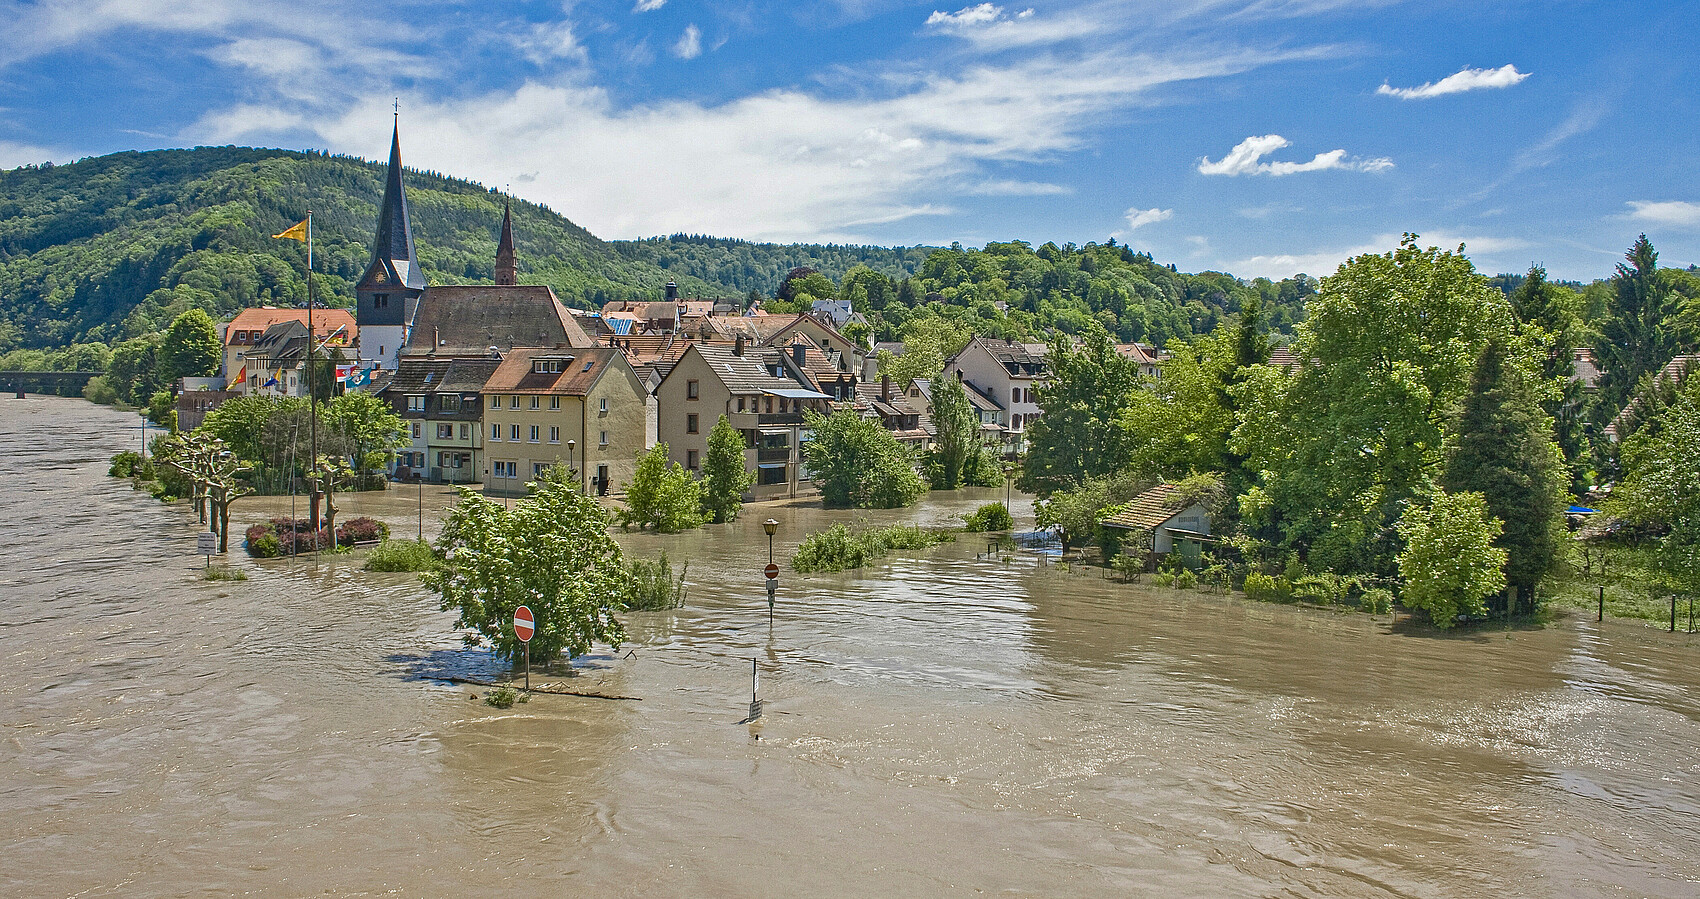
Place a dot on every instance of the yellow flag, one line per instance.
(297, 231)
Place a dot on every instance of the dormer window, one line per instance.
(549, 366)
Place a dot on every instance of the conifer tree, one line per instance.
(1501, 447)
(1637, 336)
(1552, 309)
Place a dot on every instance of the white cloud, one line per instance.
(1017, 189)
(1323, 264)
(648, 5)
(1245, 159)
(968, 16)
(551, 41)
(1667, 212)
(14, 154)
(1467, 79)
(690, 43)
(1138, 218)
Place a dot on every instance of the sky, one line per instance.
(1256, 137)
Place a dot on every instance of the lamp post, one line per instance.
(571, 468)
(419, 479)
(1008, 485)
(771, 527)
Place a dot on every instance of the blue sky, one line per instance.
(1258, 137)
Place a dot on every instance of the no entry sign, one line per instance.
(525, 624)
(772, 571)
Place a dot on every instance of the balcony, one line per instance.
(773, 454)
(767, 419)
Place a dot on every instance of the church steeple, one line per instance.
(507, 273)
(392, 249)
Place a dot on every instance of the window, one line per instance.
(554, 435)
(463, 431)
(533, 437)
(537, 469)
(603, 404)
(691, 391)
(740, 404)
(691, 423)
(448, 402)
(770, 405)
(416, 404)
(495, 432)
(536, 401)
(380, 301)
(507, 469)
(604, 438)
(554, 402)
(495, 402)
(416, 430)
(513, 432)
(588, 363)
(513, 402)
(546, 366)
(691, 459)
(445, 431)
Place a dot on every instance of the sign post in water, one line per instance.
(525, 627)
(206, 543)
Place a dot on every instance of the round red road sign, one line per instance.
(525, 624)
(772, 571)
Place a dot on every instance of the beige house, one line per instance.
(581, 408)
(1006, 373)
(756, 398)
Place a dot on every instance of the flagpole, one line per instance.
(312, 374)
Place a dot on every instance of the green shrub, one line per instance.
(501, 697)
(1163, 579)
(400, 555)
(361, 530)
(838, 548)
(990, 517)
(126, 464)
(1185, 579)
(1267, 587)
(652, 586)
(224, 573)
(1376, 601)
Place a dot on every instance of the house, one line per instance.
(902, 418)
(439, 402)
(1006, 373)
(756, 397)
(1147, 358)
(333, 328)
(1163, 515)
(276, 363)
(583, 408)
(990, 414)
(1628, 418)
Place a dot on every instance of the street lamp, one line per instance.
(571, 468)
(771, 527)
(1008, 484)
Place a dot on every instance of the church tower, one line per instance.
(507, 271)
(388, 293)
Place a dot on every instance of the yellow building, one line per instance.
(581, 408)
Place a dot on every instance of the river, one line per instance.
(940, 725)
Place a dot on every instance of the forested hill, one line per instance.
(116, 246)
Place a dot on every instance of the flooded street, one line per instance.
(945, 725)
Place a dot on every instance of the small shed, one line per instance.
(1164, 513)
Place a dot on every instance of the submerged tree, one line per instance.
(662, 495)
(1450, 564)
(551, 552)
(724, 475)
(1502, 448)
(858, 463)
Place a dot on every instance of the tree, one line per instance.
(1501, 448)
(1660, 489)
(1548, 314)
(1342, 444)
(662, 495)
(858, 463)
(724, 477)
(369, 427)
(957, 441)
(927, 342)
(1638, 335)
(551, 552)
(1450, 563)
(1083, 398)
(133, 369)
(191, 348)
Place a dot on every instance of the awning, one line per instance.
(797, 394)
(774, 432)
(772, 464)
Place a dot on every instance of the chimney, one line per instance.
(885, 388)
(800, 353)
(738, 346)
(672, 291)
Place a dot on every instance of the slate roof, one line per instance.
(1676, 371)
(469, 320)
(741, 374)
(1149, 510)
(392, 250)
(421, 375)
(1021, 360)
(580, 371)
(1582, 361)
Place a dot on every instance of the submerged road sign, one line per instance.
(525, 624)
(772, 571)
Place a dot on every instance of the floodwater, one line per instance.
(944, 725)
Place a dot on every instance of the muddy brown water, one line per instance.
(938, 725)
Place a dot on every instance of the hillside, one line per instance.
(114, 247)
